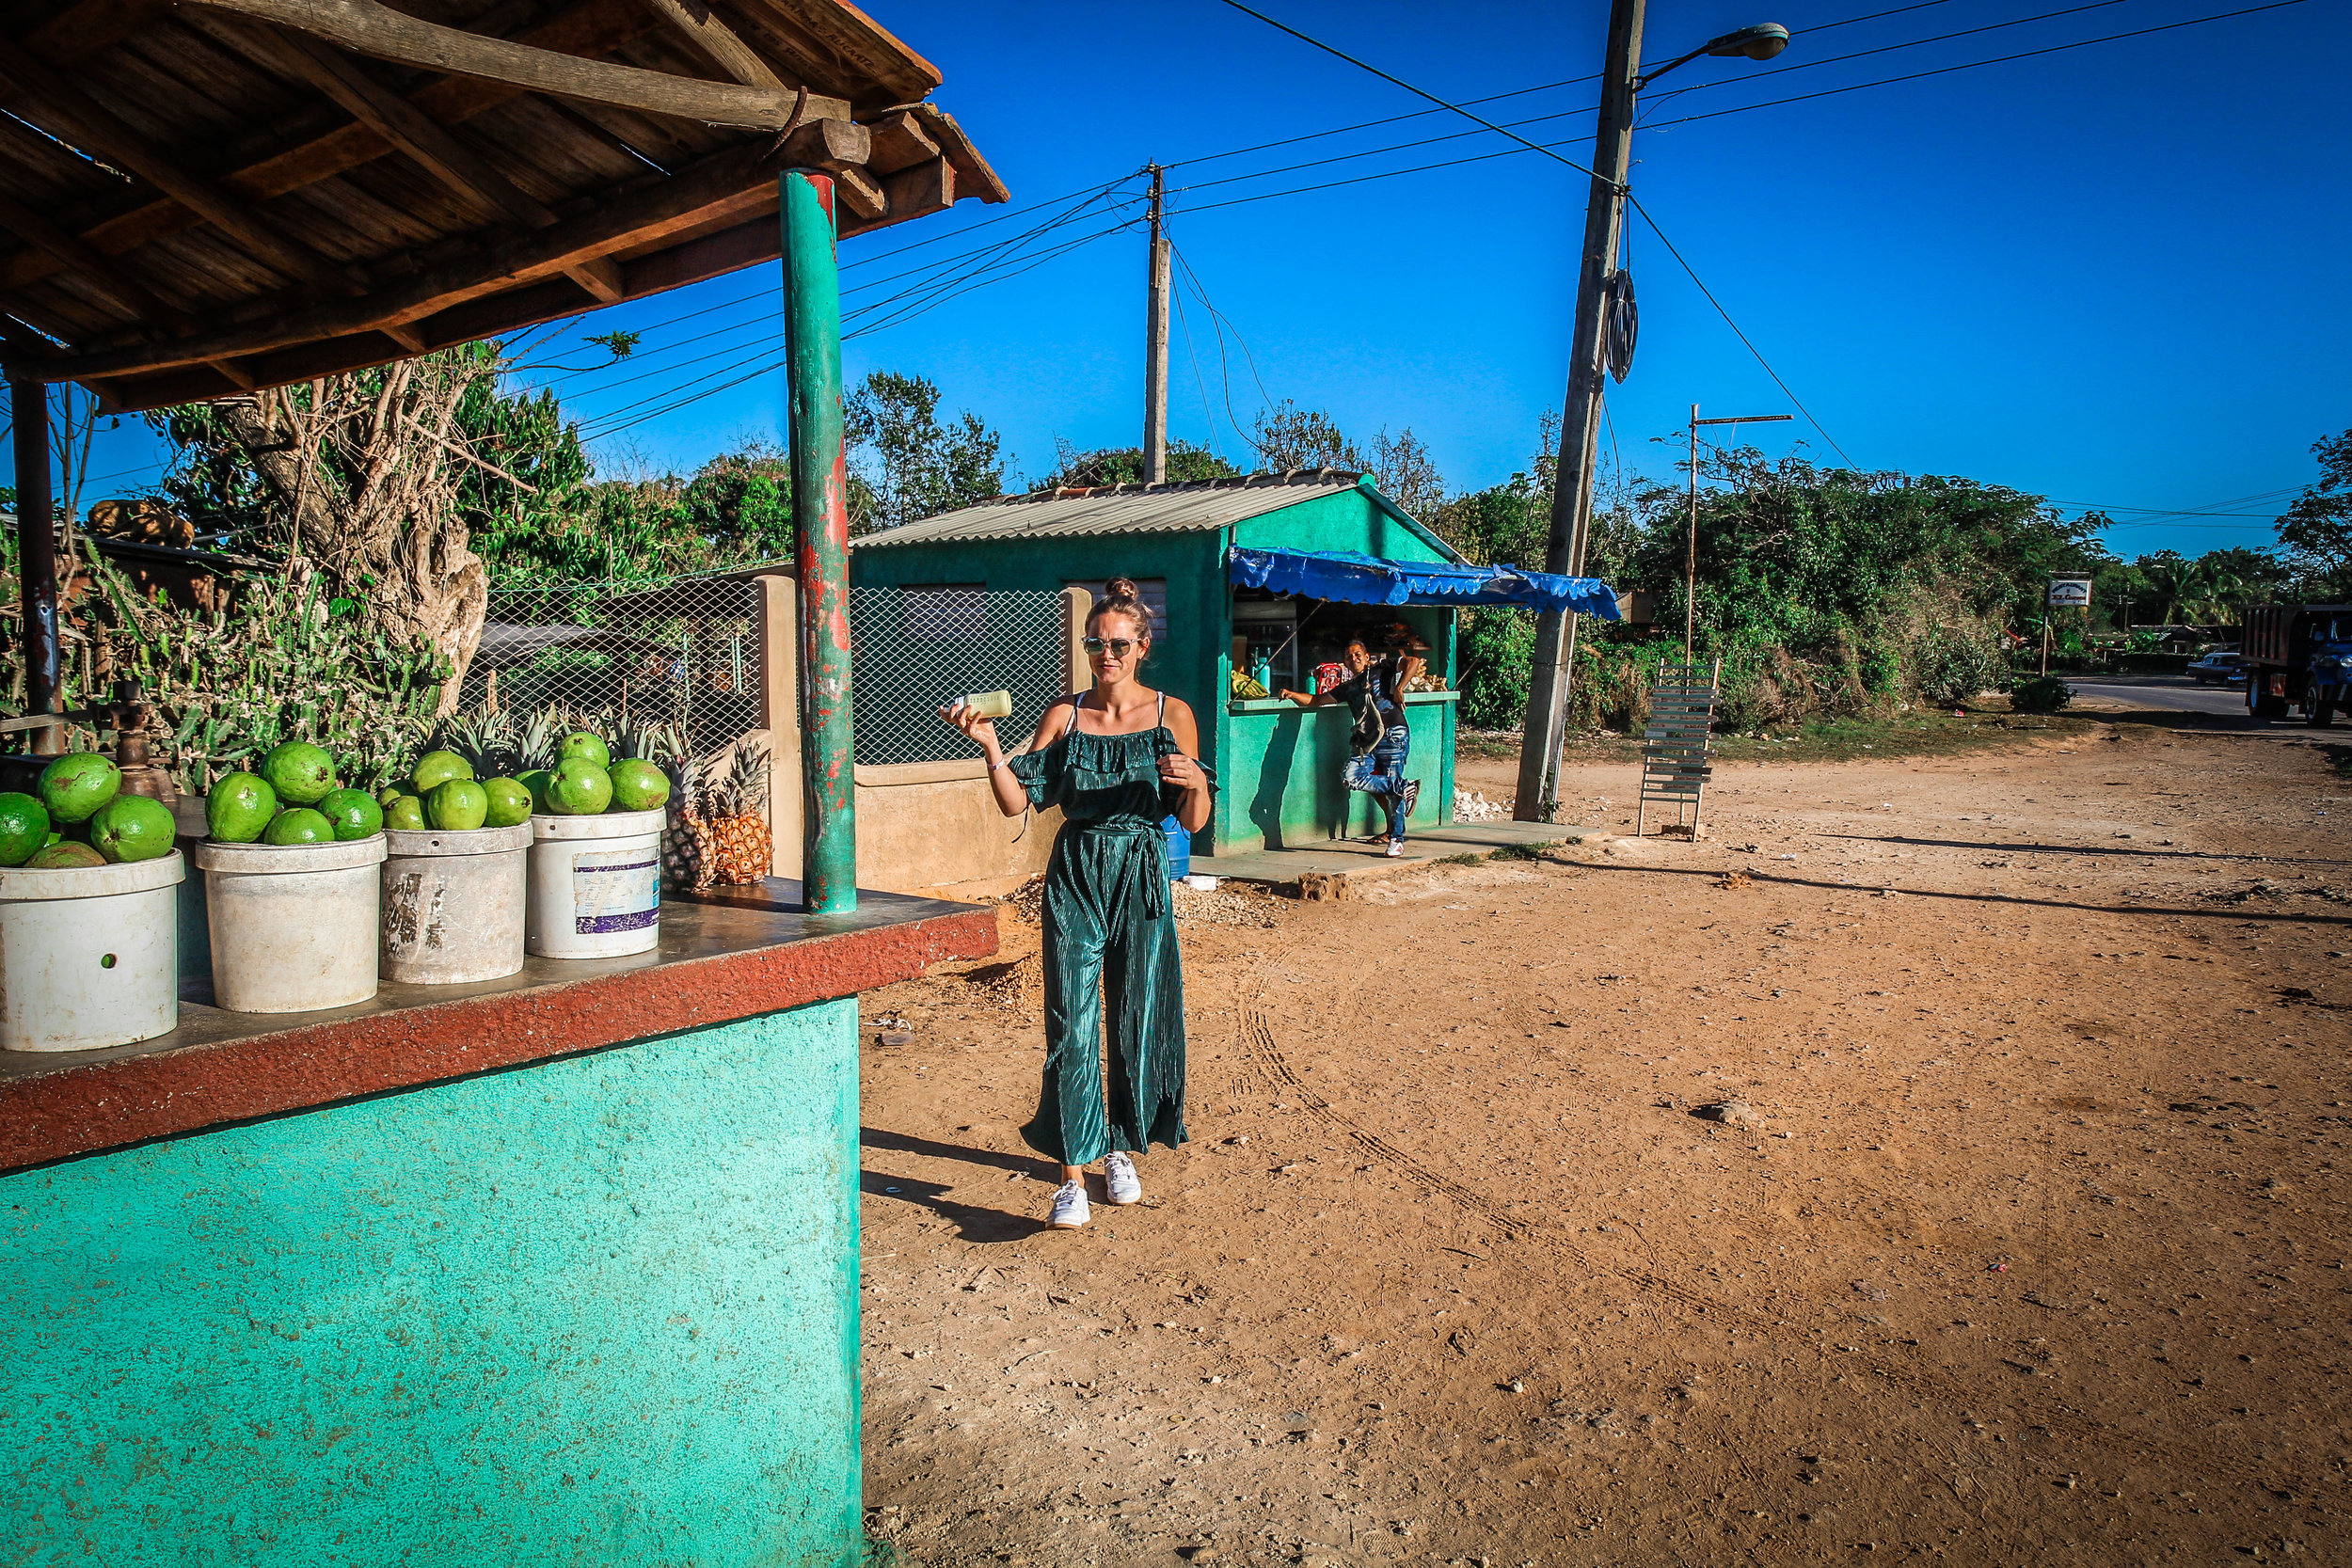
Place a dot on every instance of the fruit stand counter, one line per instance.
(555, 1268)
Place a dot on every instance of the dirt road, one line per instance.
(2025, 1240)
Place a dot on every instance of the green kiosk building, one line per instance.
(1269, 575)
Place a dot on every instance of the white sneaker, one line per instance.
(1396, 848)
(1121, 1180)
(1070, 1206)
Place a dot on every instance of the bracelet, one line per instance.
(1000, 762)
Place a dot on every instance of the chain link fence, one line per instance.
(917, 649)
(687, 652)
(684, 652)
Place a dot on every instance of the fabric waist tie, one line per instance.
(1153, 866)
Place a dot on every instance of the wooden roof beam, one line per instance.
(95, 269)
(693, 198)
(65, 107)
(411, 131)
(86, 26)
(589, 29)
(715, 42)
(899, 141)
(365, 27)
(400, 123)
(914, 192)
(839, 39)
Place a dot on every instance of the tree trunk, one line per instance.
(366, 471)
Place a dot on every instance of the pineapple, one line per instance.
(686, 858)
(683, 864)
(484, 737)
(740, 849)
(535, 743)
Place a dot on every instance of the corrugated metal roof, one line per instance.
(1206, 504)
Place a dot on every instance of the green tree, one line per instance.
(1407, 474)
(1288, 437)
(2222, 582)
(2317, 528)
(1187, 461)
(912, 465)
(372, 479)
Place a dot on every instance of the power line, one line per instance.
(1222, 322)
(949, 277)
(1512, 151)
(1398, 81)
(1585, 109)
(948, 264)
(1637, 206)
(1972, 65)
(771, 356)
(1750, 77)
(1810, 30)
(979, 276)
(1701, 285)
(1208, 416)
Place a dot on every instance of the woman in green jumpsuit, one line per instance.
(1116, 759)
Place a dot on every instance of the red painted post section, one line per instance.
(820, 529)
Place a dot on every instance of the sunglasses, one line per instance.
(1117, 646)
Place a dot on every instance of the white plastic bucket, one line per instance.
(90, 956)
(595, 885)
(294, 926)
(454, 904)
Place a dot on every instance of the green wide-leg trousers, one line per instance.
(1112, 976)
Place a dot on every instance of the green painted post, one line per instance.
(820, 535)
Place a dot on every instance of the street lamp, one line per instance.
(1579, 423)
(1760, 42)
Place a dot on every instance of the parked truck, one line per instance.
(2299, 654)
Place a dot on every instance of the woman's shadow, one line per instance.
(973, 1222)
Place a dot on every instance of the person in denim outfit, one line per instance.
(1381, 744)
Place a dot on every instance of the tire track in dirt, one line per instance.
(1258, 1045)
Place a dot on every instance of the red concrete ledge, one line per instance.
(719, 961)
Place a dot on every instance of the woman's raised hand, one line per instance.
(959, 714)
(1179, 771)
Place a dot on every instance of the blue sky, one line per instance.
(2112, 275)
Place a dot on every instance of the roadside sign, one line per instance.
(2073, 592)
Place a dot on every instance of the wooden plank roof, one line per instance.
(209, 196)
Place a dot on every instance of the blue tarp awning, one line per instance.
(1354, 578)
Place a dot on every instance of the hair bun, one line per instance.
(1123, 591)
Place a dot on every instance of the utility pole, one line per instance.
(1572, 482)
(1690, 560)
(1156, 349)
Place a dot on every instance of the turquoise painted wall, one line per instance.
(1285, 789)
(599, 1311)
(1194, 660)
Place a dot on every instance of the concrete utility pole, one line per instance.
(1621, 78)
(1155, 350)
(1579, 423)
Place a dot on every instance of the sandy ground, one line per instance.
(2024, 1244)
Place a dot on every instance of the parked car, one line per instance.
(2223, 666)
